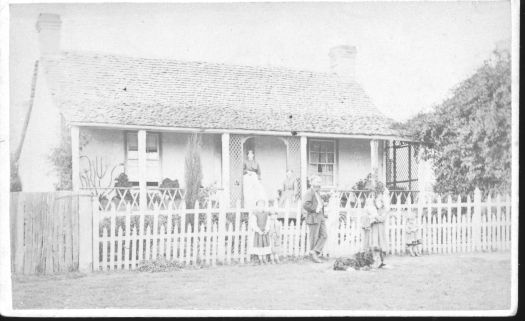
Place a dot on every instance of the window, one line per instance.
(322, 160)
(152, 146)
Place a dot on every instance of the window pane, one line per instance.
(151, 143)
(330, 147)
(323, 158)
(315, 146)
(314, 157)
(133, 144)
(330, 158)
(329, 168)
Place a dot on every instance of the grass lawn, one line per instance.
(437, 282)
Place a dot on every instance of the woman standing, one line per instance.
(252, 188)
(290, 189)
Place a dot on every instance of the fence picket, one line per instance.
(118, 249)
(176, 240)
(505, 221)
(237, 236)
(148, 241)
(182, 236)
(169, 236)
(105, 241)
(123, 238)
(127, 241)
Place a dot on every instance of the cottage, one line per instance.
(134, 115)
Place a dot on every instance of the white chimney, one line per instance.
(342, 61)
(48, 27)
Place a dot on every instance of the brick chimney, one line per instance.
(342, 61)
(48, 27)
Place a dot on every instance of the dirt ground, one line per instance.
(437, 282)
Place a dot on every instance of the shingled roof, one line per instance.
(109, 89)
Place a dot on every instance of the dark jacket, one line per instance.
(309, 208)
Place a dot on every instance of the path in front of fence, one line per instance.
(462, 281)
(124, 238)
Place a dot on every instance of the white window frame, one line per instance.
(133, 154)
(334, 164)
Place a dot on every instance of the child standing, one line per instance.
(412, 230)
(378, 242)
(259, 225)
(275, 237)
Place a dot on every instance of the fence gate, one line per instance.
(401, 166)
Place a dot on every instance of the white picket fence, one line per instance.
(221, 235)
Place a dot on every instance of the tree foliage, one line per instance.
(468, 136)
(193, 169)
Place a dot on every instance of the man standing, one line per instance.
(313, 210)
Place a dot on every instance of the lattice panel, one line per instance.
(401, 166)
(294, 156)
(236, 161)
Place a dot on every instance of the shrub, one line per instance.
(193, 170)
(370, 184)
(123, 181)
(159, 265)
(171, 184)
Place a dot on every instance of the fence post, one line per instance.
(476, 221)
(221, 236)
(85, 232)
(331, 225)
(20, 219)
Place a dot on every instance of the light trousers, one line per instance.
(318, 235)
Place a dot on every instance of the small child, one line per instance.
(378, 242)
(412, 230)
(259, 225)
(275, 237)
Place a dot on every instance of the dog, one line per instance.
(360, 261)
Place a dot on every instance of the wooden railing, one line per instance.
(128, 198)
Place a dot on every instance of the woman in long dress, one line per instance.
(252, 187)
(290, 189)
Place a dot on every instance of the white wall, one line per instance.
(109, 145)
(43, 135)
(173, 152)
(354, 161)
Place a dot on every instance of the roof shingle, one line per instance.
(108, 89)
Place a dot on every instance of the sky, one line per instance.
(410, 55)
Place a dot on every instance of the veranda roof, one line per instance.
(119, 90)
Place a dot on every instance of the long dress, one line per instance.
(377, 229)
(261, 242)
(252, 187)
(289, 192)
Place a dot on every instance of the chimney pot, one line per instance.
(48, 27)
(342, 61)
